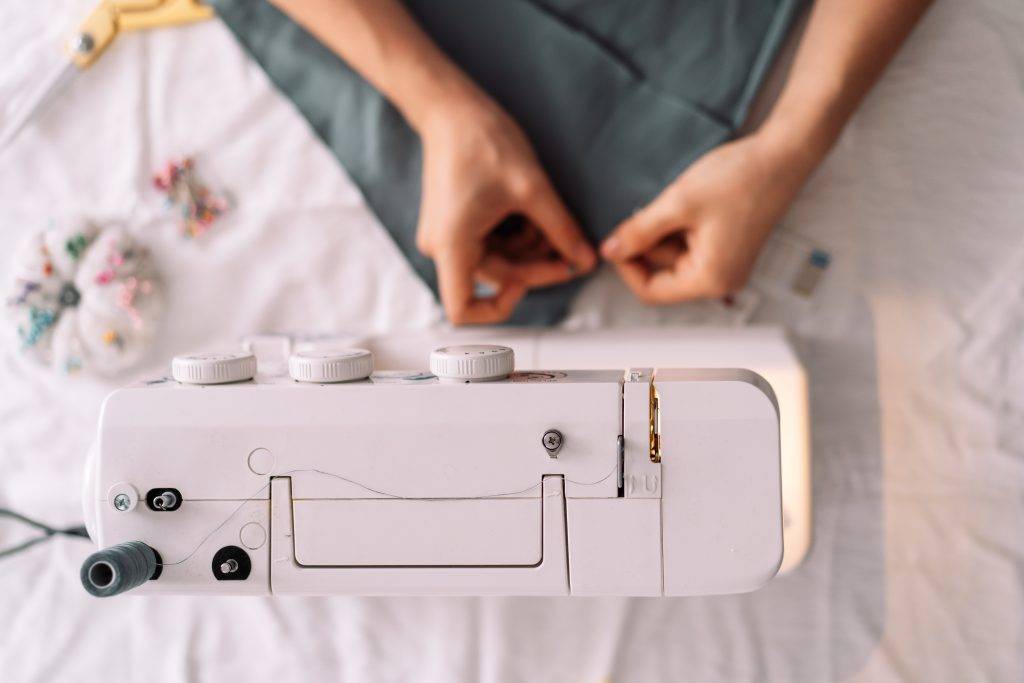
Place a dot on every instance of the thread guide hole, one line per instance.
(101, 574)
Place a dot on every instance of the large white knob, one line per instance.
(213, 368)
(341, 365)
(472, 363)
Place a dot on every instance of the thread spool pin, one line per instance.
(165, 500)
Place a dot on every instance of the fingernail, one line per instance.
(584, 256)
(611, 248)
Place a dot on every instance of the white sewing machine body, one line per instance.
(404, 484)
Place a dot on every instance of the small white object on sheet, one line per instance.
(914, 343)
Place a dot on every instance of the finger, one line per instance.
(546, 210)
(423, 237)
(681, 283)
(494, 309)
(665, 253)
(537, 273)
(644, 229)
(456, 283)
(454, 279)
(635, 274)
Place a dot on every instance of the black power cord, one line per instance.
(48, 532)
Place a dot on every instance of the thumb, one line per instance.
(644, 229)
(545, 209)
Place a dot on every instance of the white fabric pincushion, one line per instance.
(84, 298)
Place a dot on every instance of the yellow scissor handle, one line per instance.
(136, 14)
(111, 17)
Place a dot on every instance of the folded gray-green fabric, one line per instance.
(617, 97)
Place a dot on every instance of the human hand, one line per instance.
(700, 237)
(479, 169)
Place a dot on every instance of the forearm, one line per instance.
(844, 50)
(382, 41)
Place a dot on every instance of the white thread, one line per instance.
(372, 490)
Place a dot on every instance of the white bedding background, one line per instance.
(914, 343)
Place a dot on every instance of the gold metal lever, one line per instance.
(655, 424)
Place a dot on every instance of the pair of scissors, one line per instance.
(94, 35)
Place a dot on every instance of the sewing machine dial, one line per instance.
(213, 368)
(328, 366)
(472, 362)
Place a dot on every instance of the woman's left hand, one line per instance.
(700, 237)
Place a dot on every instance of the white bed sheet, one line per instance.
(914, 345)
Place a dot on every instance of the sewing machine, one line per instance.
(294, 467)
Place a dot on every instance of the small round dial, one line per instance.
(338, 365)
(472, 363)
(213, 368)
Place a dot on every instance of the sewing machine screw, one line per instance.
(229, 566)
(123, 496)
(83, 43)
(552, 442)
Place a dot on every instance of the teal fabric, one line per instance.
(617, 97)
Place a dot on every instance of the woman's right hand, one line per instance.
(479, 169)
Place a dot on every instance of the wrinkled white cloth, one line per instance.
(914, 343)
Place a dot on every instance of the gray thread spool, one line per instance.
(119, 568)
